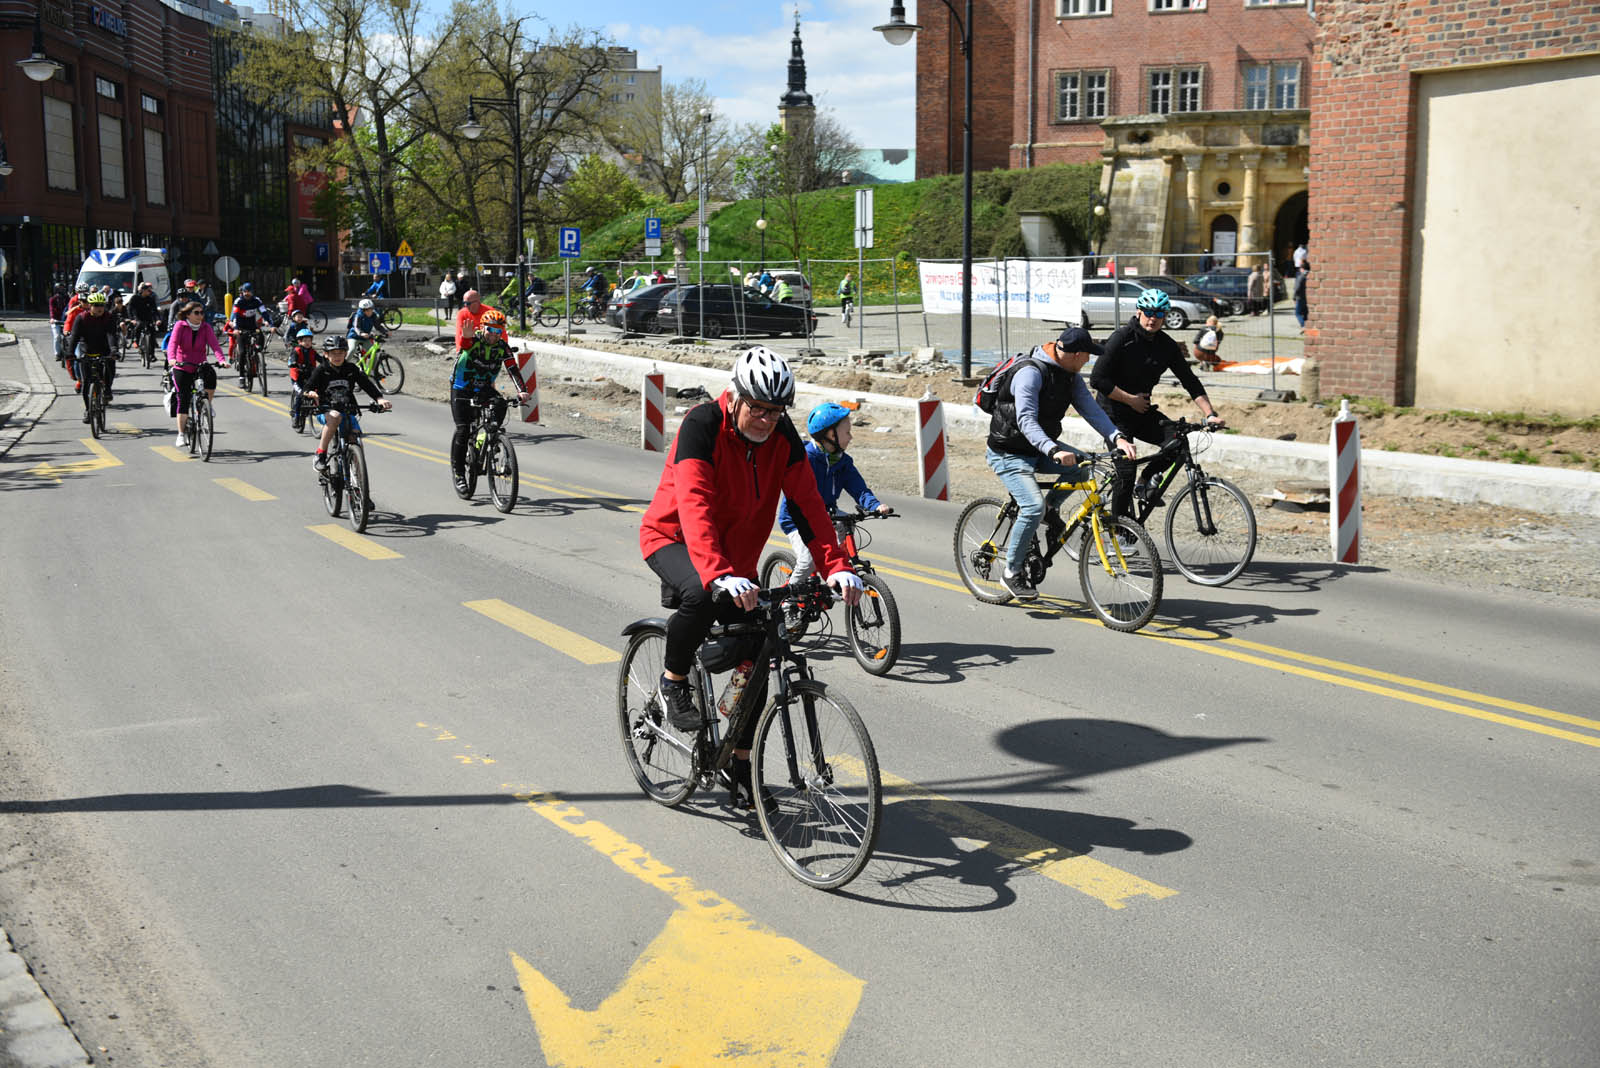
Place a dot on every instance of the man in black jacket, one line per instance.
(96, 331)
(1137, 355)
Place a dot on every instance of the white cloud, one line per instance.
(868, 84)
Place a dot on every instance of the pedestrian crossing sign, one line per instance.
(403, 262)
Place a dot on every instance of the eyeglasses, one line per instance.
(195, 311)
(495, 330)
(1153, 314)
(761, 411)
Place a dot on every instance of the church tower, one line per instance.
(797, 112)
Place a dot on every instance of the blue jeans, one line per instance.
(1018, 474)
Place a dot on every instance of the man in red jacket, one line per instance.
(713, 512)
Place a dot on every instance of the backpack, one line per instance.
(996, 381)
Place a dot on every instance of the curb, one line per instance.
(1537, 489)
(32, 1032)
(32, 399)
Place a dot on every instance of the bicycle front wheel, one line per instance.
(203, 424)
(816, 777)
(1211, 531)
(356, 490)
(1123, 588)
(261, 369)
(317, 320)
(502, 471)
(777, 569)
(548, 317)
(873, 625)
(982, 532)
(391, 373)
(661, 759)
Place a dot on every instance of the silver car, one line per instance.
(1104, 306)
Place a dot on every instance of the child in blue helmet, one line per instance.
(829, 427)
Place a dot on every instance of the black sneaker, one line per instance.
(679, 701)
(322, 463)
(742, 791)
(462, 491)
(1018, 586)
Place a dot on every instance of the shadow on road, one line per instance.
(330, 796)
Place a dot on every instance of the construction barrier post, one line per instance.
(653, 428)
(1344, 486)
(529, 368)
(933, 470)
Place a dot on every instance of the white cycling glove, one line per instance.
(844, 580)
(732, 585)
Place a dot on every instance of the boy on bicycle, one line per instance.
(1024, 440)
(302, 361)
(337, 375)
(476, 368)
(829, 428)
(365, 324)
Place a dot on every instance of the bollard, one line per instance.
(1344, 486)
(653, 429)
(933, 470)
(529, 368)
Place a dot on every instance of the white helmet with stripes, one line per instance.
(762, 375)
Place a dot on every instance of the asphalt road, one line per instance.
(277, 798)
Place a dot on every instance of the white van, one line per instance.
(125, 269)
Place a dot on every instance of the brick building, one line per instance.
(130, 142)
(1455, 247)
(1197, 109)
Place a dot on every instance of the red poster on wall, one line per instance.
(307, 189)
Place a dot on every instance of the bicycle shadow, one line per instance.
(383, 524)
(243, 456)
(954, 845)
(559, 507)
(930, 663)
(1297, 576)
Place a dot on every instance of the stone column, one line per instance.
(1194, 238)
(1247, 217)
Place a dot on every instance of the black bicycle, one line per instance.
(202, 426)
(92, 373)
(813, 767)
(872, 624)
(346, 472)
(252, 359)
(1211, 527)
(490, 452)
(145, 339)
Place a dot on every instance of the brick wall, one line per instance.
(1363, 146)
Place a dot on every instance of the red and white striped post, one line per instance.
(1344, 486)
(653, 428)
(933, 469)
(529, 368)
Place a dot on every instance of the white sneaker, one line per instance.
(181, 443)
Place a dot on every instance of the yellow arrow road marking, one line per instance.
(714, 985)
(244, 489)
(356, 543)
(176, 455)
(102, 459)
(1110, 886)
(558, 638)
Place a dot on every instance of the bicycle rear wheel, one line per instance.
(1125, 590)
(502, 471)
(356, 491)
(1211, 531)
(391, 373)
(873, 625)
(474, 464)
(661, 759)
(203, 425)
(982, 532)
(317, 320)
(548, 317)
(392, 318)
(816, 775)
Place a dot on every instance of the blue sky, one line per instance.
(741, 52)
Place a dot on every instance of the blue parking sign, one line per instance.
(652, 229)
(571, 242)
(378, 263)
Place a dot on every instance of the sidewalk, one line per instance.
(26, 391)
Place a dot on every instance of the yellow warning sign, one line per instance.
(404, 249)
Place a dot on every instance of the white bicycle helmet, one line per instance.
(366, 304)
(762, 375)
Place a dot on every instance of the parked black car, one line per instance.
(727, 309)
(1220, 306)
(636, 310)
(1232, 283)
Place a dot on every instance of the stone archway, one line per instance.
(1291, 227)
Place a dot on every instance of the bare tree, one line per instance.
(664, 141)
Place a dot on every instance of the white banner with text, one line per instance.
(1026, 289)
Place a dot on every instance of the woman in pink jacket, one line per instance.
(187, 349)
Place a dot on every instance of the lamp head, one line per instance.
(897, 31)
(472, 129)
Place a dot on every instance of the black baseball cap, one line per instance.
(1077, 339)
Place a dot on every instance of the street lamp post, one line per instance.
(511, 108)
(761, 228)
(38, 66)
(703, 232)
(897, 31)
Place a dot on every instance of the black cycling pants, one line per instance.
(1149, 426)
(183, 383)
(462, 411)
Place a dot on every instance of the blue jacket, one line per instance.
(838, 477)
